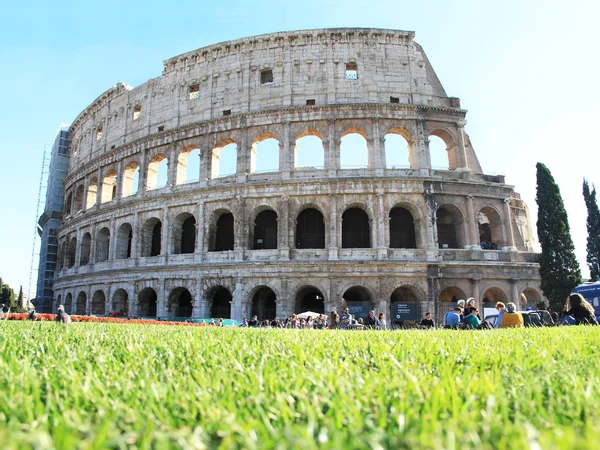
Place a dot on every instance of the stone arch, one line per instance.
(124, 240)
(147, 303)
(449, 141)
(264, 153)
(450, 227)
(184, 233)
(356, 227)
(120, 301)
(131, 179)
(78, 202)
(157, 174)
(102, 244)
(226, 149)
(92, 193)
(398, 147)
(491, 295)
(81, 304)
(72, 251)
(86, 246)
(309, 298)
(152, 237)
(489, 222)
(309, 149)
(68, 303)
(109, 186)
(99, 303)
(264, 235)
(310, 228)
(359, 300)
(221, 231)
(530, 297)
(220, 300)
(354, 148)
(180, 303)
(448, 298)
(68, 203)
(188, 165)
(263, 303)
(403, 232)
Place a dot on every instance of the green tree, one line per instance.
(593, 229)
(559, 269)
(7, 295)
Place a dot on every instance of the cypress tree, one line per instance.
(559, 269)
(593, 229)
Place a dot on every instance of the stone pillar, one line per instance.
(172, 165)
(240, 231)
(472, 235)
(113, 240)
(136, 238)
(283, 224)
(508, 229)
(333, 228)
(205, 164)
(332, 154)
(108, 302)
(237, 307)
(514, 292)
(199, 253)
(78, 248)
(421, 148)
(461, 151)
(285, 152)
(99, 188)
(243, 165)
(92, 260)
(119, 180)
(376, 151)
(475, 293)
(164, 239)
(143, 178)
(198, 301)
(161, 299)
(381, 247)
(430, 221)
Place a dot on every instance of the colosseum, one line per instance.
(287, 172)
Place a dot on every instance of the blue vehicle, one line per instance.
(591, 292)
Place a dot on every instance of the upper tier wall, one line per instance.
(305, 65)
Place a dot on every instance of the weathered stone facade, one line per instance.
(275, 243)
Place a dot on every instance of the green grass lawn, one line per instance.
(127, 386)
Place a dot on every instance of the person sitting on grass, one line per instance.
(471, 320)
(334, 320)
(427, 322)
(452, 318)
(581, 310)
(501, 308)
(511, 318)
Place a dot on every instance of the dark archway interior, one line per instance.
(485, 236)
(188, 235)
(221, 304)
(446, 229)
(80, 304)
(265, 230)
(156, 239)
(224, 238)
(310, 299)
(264, 304)
(148, 302)
(99, 303)
(358, 301)
(310, 229)
(355, 229)
(183, 303)
(402, 229)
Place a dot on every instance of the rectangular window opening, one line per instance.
(227, 112)
(394, 99)
(137, 112)
(112, 147)
(194, 91)
(266, 77)
(310, 101)
(351, 71)
(99, 133)
(161, 128)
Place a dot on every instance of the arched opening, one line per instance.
(309, 298)
(78, 204)
(404, 306)
(188, 165)
(398, 153)
(184, 234)
(180, 303)
(68, 303)
(490, 229)
(530, 297)
(221, 303)
(448, 298)
(124, 239)
(264, 304)
(356, 232)
(354, 151)
(450, 231)
(158, 169)
(92, 193)
(68, 202)
(152, 237)
(102, 245)
(62, 255)
(147, 303)
(131, 179)
(309, 151)
(223, 233)
(120, 302)
(402, 229)
(358, 300)
(98, 304)
(72, 250)
(109, 187)
(489, 299)
(224, 159)
(80, 304)
(310, 229)
(438, 153)
(86, 246)
(265, 230)
(264, 154)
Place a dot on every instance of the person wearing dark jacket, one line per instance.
(581, 310)
(427, 321)
(371, 320)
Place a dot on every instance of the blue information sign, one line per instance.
(404, 311)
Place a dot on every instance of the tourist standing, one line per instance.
(380, 323)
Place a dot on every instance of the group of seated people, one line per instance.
(320, 321)
(466, 316)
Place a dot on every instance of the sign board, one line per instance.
(404, 311)
(359, 311)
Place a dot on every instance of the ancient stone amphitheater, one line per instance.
(282, 173)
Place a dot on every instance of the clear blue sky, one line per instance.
(527, 71)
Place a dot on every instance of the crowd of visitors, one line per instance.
(345, 320)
